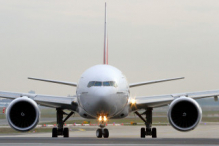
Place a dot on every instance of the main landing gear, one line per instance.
(102, 132)
(56, 131)
(148, 123)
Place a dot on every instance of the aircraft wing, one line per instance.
(163, 100)
(152, 82)
(45, 100)
(54, 81)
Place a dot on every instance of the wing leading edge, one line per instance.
(152, 82)
(163, 100)
(54, 81)
(45, 100)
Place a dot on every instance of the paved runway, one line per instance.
(119, 135)
(109, 141)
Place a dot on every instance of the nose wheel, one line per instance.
(105, 133)
(102, 133)
(99, 133)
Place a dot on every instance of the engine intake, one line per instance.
(184, 114)
(22, 114)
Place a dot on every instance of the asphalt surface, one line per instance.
(119, 135)
(89, 140)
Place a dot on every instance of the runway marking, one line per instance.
(81, 129)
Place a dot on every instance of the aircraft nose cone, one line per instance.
(104, 102)
(101, 102)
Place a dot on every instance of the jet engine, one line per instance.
(184, 114)
(23, 114)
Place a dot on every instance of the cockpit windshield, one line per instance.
(105, 84)
(98, 84)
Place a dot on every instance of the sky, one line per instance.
(148, 40)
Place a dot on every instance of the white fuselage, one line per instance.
(107, 94)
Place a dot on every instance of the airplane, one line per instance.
(103, 93)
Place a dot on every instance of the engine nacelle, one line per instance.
(23, 114)
(184, 114)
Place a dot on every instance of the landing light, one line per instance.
(104, 118)
(133, 101)
(100, 118)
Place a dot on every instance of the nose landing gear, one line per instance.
(148, 123)
(102, 133)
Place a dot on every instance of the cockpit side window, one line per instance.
(112, 83)
(90, 84)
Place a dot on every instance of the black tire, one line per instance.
(105, 133)
(54, 132)
(142, 132)
(99, 133)
(154, 133)
(65, 132)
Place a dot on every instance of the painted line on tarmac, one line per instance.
(79, 130)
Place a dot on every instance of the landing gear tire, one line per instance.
(65, 132)
(142, 132)
(154, 133)
(54, 132)
(105, 133)
(99, 133)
